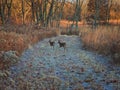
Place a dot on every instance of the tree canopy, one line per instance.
(44, 12)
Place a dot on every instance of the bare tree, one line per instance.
(109, 5)
(77, 13)
(50, 13)
(99, 11)
(33, 12)
(60, 13)
(23, 12)
(9, 5)
(2, 10)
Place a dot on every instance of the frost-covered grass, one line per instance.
(8, 59)
(42, 68)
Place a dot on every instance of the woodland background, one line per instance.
(25, 22)
(45, 12)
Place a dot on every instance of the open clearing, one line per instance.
(75, 69)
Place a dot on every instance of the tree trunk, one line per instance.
(2, 10)
(32, 8)
(9, 4)
(23, 13)
(50, 12)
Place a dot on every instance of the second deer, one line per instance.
(62, 44)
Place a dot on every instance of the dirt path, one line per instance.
(75, 69)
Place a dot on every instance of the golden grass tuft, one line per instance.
(21, 37)
(12, 41)
(104, 40)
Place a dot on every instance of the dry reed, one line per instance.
(104, 40)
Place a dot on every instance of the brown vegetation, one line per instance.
(12, 41)
(104, 40)
(18, 38)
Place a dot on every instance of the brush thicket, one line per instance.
(104, 40)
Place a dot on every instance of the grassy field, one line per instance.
(105, 40)
(19, 37)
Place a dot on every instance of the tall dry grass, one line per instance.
(105, 40)
(19, 38)
(12, 41)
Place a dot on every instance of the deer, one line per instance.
(62, 44)
(52, 43)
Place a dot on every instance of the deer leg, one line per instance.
(53, 47)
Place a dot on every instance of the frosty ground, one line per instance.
(74, 69)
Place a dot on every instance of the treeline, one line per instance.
(101, 11)
(50, 12)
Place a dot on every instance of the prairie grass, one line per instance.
(18, 38)
(12, 41)
(105, 40)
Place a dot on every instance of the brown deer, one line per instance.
(62, 44)
(52, 43)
